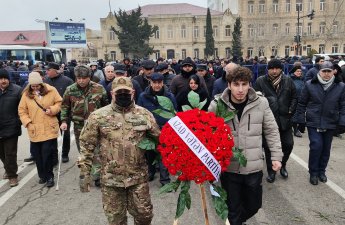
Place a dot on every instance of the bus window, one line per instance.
(3, 55)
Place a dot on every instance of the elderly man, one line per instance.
(79, 100)
(10, 126)
(321, 107)
(109, 76)
(117, 129)
(147, 68)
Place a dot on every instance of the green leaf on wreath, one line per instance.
(186, 108)
(220, 202)
(239, 156)
(185, 186)
(222, 111)
(188, 200)
(181, 204)
(193, 99)
(172, 186)
(166, 104)
(202, 104)
(163, 113)
(147, 144)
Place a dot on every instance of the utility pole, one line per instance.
(297, 38)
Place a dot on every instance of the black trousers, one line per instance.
(286, 139)
(244, 195)
(164, 177)
(43, 154)
(8, 155)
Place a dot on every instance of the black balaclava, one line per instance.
(123, 99)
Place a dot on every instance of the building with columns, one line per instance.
(269, 27)
(181, 32)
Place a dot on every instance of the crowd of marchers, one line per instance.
(111, 107)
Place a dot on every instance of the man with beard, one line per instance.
(163, 69)
(79, 100)
(10, 126)
(280, 92)
(148, 99)
(181, 81)
(118, 129)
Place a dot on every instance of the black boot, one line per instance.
(271, 177)
(284, 172)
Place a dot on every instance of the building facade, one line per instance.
(269, 27)
(181, 32)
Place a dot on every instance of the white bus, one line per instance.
(24, 53)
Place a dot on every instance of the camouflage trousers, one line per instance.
(136, 199)
(96, 162)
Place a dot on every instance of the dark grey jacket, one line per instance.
(10, 125)
(322, 109)
(60, 82)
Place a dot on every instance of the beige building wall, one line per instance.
(179, 36)
(269, 26)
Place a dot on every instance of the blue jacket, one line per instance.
(322, 109)
(149, 102)
(219, 86)
(312, 72)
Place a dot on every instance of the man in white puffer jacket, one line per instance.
(253, 120)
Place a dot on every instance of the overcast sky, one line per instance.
(21, 14)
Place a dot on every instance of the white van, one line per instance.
(328, 55)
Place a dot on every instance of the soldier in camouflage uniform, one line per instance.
(79, 100)
(117, 129)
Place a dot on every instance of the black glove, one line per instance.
(340, 129)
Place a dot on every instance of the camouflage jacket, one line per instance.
(117, 133)
(78, 103)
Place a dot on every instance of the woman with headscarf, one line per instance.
(194, 85)
(38, 107)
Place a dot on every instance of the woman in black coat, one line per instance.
(194, 85)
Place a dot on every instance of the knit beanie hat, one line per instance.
(274, 63)
(4, 74)
(35, 78)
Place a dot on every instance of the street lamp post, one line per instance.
(298, 36)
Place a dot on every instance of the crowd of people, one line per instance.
(111, 105)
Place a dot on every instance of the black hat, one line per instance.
(295, 68)
(157, 76)
(53, 65)
(187, 61)
(148, 64)
(274, 63)
(161, 67)
(4, 74)
(119, 68)
(201, 67)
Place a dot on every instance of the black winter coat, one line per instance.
(283, 104)
(61, 82)
(322, 109)
(10, 125)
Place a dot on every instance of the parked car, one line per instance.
(73, 35)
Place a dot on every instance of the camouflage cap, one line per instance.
(122, 83)
(82, 71)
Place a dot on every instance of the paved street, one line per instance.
(291, 201)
